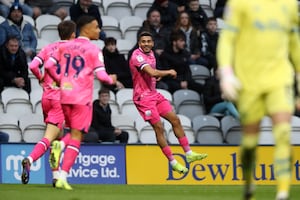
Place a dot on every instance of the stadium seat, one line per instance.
(199, 73)
(46, 26)
(99, 43)
(140, 7)
(35, 98)
(9, 124)
(126, 123)
(187, 127)
(29, 19)
(16, 101)
(188, 102)
(32, 126)
(207, 130)
(232, 130)
(166, 94)
(110, 25)
(266, 133)
(123, 95)
(34, 83)
(117, 8)
(145, 131)
(41, 43)
(295, 130)
(124, 46)
(129, 26)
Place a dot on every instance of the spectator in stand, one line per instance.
(5, 6)
(159, 31)
(86, 7)
(15, 25)
(176, 57)
(213, 100)
(184, 24)
(41, 7)
(168, 12)
(208, 42)
(115, 63)
(181, 5)
(13, 65)
(219, 8)
(197, 14)
(101, 129)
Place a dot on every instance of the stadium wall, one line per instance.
(145, 164)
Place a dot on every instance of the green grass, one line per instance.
(135, 192)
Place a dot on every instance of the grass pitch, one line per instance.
(136, 192)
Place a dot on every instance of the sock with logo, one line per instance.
(248, 156)
(70, 154)
(39, 149)
(282, 156)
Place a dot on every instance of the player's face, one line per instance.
(93, 30)
(146, 43)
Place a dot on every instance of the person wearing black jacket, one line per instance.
(116, 63)
(101, 129)
(13, 65)
(176, 57)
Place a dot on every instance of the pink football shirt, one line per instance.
(142, 82)
(51, 91)
(78, 59)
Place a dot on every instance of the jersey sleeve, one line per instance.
(138, 61)
(232, 17)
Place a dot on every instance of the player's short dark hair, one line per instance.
(84, 20)
(145, 33)
(65, 29)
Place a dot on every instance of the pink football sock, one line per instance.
(39, 149)
(168, 153)
(65, 139)
(183, 141)
(70, 155)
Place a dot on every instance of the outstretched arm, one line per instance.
(159, 73)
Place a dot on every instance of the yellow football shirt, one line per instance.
(260, 41)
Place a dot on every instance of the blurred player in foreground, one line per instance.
(78, 59)
(257, 51)
(52, 111)
(152, 105)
